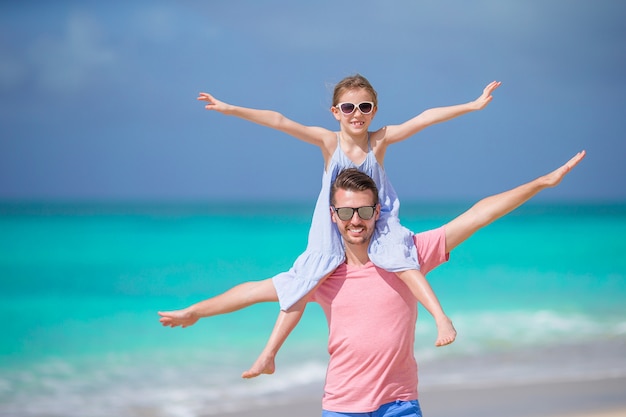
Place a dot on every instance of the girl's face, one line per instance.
(356, 122)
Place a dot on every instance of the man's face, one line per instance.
(355, 231)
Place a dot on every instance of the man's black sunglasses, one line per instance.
(346, 213)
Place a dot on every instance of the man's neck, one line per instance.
(356, 255)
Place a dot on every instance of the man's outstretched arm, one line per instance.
(492, 208)
(238, 297)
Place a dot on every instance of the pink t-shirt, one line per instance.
(371, 317)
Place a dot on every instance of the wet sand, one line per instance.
(593, 398)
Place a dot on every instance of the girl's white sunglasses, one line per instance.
(365, 107)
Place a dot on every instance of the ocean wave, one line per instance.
(170, 386)
(140, 386)
(485, 331)
(196, 378)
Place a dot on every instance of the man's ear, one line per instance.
(377, 211)
(332, 215)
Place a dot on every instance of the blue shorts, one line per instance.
(393, 409)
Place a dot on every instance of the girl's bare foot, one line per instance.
(446, 333)
(263, 365)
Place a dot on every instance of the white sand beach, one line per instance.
(593, 398)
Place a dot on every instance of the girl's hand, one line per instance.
(213, 103)
(484, 99)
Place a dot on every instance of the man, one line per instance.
(371, 314)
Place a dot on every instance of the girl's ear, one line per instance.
(335, 111)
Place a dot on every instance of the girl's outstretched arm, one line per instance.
(311, 134)
(397, 133)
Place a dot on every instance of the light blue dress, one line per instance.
(392, 247)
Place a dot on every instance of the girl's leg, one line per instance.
(286, 322)
(238, 297)
(421, 289)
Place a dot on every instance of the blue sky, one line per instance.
(98, 99)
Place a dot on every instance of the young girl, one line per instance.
(392, 248)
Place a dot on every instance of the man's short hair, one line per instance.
(351, 179)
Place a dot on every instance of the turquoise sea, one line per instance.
(538, 295)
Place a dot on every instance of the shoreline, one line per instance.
(590, 398)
